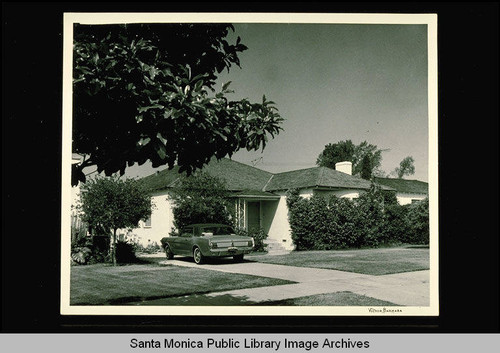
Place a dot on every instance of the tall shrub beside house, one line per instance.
(375, 218)
(201, 198)
(309, 222)
(417, 219)
(370, 207)
(346, 230)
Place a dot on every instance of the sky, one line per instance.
(334, 82)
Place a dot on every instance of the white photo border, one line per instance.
(118, 18)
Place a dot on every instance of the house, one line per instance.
(407, 191)
(259, 196)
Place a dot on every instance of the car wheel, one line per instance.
(238, 258)
(198, 256)
(168, 252)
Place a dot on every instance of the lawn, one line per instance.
(103, 284)
(366, 261)
(330, 299)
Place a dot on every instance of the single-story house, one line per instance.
(407, 191)
(259, 196)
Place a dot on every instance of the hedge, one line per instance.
(373, 219)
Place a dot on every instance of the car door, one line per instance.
(185, 241)
(176, 243)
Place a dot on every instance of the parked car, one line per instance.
(203, 241)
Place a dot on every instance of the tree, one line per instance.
(336, 152)
(112, 203)
(406, 167)
(201, 198)
(366, 166)
(348, 151)
(146, 92)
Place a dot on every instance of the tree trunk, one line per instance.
(113, 249)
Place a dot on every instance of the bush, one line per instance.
(97, 251)
(89, 254)
(417, 219)
(396, 228)
(257, 236)
(375, 218)
(345, 230)
(311, 222)
(151, 248)
(125, 252)
(78, 236)
(201, 198)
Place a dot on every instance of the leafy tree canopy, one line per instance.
(146, 92)
(366, 166)
(347, 151)
(201, 198)
(406, 167)
(113, 203)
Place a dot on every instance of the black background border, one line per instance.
(468, 175)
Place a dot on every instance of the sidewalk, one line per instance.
(408, 289)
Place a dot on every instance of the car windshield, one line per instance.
(218, 230)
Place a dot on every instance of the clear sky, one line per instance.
(334, 82)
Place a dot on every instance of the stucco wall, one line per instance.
(279, 229)
(268, 214)
(404, 198)
(161, 221)
(350, 193)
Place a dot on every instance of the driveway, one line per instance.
(408, 288)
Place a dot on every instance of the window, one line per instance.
(218, 230)
(147, 222)
(187, 232)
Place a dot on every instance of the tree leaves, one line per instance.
(147, 92)
(347, 151)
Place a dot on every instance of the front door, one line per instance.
(253, 216)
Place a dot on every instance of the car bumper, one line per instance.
(229, 252)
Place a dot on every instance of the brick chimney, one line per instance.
(344, 167)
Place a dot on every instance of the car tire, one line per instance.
(168, 252)
(198, 256)
(238, 258)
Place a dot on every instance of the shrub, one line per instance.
(311, 223)
(257, 236)
(373, 206)
(417, 219)
(151, 248)
(375, 218)
(396, 227)
(201, 198)
(345, 229)
(125, 252)
(89, 254)
(78, 236)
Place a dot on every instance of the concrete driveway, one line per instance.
(408, 288)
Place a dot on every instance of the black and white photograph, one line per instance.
(250, 164)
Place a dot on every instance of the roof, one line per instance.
(317, 177)
(247, 181)
(208, 225)
(237, 176)
(404, 185)
(255, 194)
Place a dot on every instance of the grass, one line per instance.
(331, 299)
(103, 284)
(367, 261)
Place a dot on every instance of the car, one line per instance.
(208, 240)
